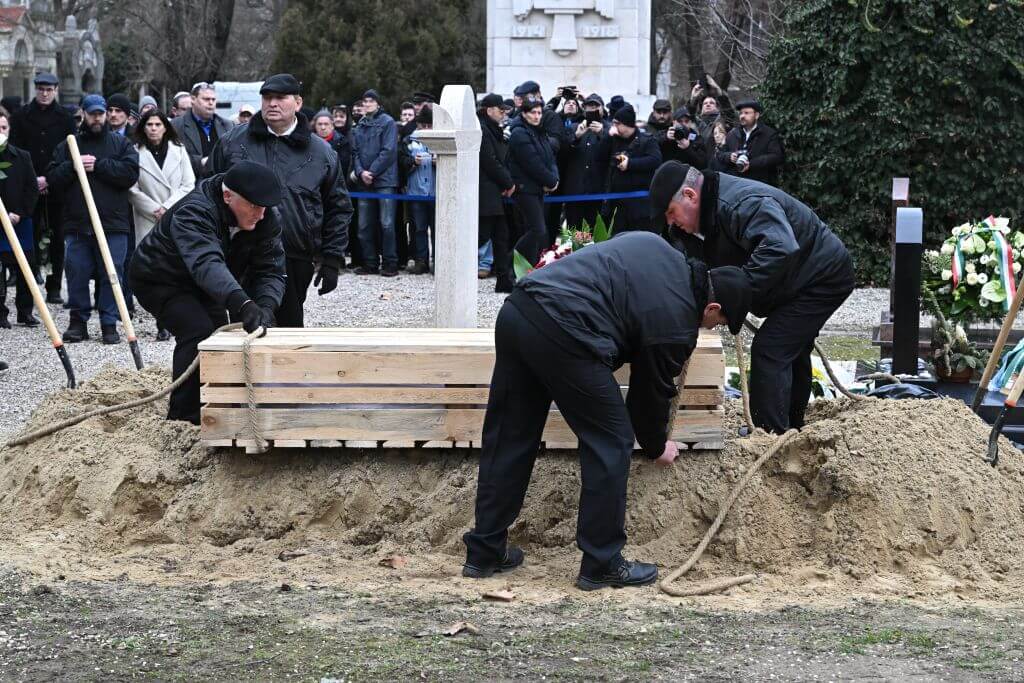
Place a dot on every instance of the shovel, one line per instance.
(997, 426)
(37, 296)
(997, 348)
(108, 262)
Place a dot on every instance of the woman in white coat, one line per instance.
(165, 176)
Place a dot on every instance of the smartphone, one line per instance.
(592, 116)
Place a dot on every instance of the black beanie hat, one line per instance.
(255, 182)
(119, 101)
(731, 289)
(625, 115)
(371, 94)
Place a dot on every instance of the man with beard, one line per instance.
(38, 128)
(112, 166)
(315, 206)
(798, 272)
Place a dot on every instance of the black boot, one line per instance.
(3, 366)
(513, 558)
(54, 297)
(419, 268)
(162, 335)
(620, 574)
(504, 284)
(28, 320)
(76, 332)
(110, 335)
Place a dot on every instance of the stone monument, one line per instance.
(601, 46)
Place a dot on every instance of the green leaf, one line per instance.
(520, 265)
(600, 230)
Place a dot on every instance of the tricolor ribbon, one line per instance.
(959, 263)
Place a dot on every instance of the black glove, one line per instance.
(326, 278)
(251, 315)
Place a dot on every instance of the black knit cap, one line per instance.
(625, 115)
(255, 182)
(281, 84)
(492, 100)
(371, 94)
(119, 101)
(666, 182)
(731, 289)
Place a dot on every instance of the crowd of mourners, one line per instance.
(141, 160)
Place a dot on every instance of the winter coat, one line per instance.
(19, 189)
(342, 146)
(159, 187)
(781, 244)
(764, 149)
(375, 149)
(695, 155)
(494, 175)
(38, 131)
(419, 178)
(191, 248)
(192, 137)
(116, 170)
(586, 169)
(644, 159)
(531, 159)
(315, 206)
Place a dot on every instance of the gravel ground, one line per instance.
(404, 301)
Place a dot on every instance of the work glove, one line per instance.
(252, 315)
(326, 278)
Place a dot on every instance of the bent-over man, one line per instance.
(217, 250)
(559, 336)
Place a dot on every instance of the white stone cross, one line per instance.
(455, 139)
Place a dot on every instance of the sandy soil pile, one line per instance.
(876, 498)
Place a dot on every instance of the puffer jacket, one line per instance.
(375, 149)
(531, 159)
(315, 208)
(191, 248)
(111, 180)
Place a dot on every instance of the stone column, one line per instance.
(455, 139)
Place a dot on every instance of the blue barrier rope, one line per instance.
(549, 199)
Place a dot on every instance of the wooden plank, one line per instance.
(412, 424)
(290, 443)
(270, 395)
(326, 443)
(439, 444)
(218, 443)
(399, 444)
(361, 444)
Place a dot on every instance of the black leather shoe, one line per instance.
(622, 574)
(163, 335)
(28, 320)
(513, 558)
(389, 272)
(76, 332)
(110, 335)
(504, 285)
(54, 298)
(365, 270)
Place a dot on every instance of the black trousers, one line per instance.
(780, 355)
(191, 317)
(22, 294)
(531, 208)
(530, 371)
(553, 220)
(495, 229)
(47, 218)
(300, 274)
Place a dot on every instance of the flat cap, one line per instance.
(662, 105)
(93, 103)
(526, 88)
(119, 101)
(492, 100)
(749, 104)
(666, 182)
(281, 84)
(255, 182)
(45, 78)
(421, 96)
(731, 290)
(594, 98)
(371, 94)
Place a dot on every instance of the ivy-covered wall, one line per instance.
(864, 91)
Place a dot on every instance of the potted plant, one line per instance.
(954, 357)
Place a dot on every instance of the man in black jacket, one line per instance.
(632, 157)
(559, 338)
(20, 192)
(798, 271)
(752, 149)
(683, 143)
(660, 120)
(495, 185)
(315, 206)
(201, 127)
(38, 128)
(217, 249)
(112, 165)
(586, 171)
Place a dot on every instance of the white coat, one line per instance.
(159, 187)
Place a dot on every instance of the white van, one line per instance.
(231, 95)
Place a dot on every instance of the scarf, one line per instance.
(159, 152)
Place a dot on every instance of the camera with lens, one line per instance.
(592, 116)
(569, 92)
(680, 132)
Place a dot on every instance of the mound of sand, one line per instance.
(887, 497)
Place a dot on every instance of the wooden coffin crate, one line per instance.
(396, 388)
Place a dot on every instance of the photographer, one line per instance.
(571, 113)
(753, 150)
(632, 156)
(534, 170)
(711, 105)
(586, 169)
(683, 143)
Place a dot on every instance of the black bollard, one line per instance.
(906, 290)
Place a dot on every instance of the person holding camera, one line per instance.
(710, 105)
(683, 143)
(753, 150)
(534, 172)
(632, 156)
(586, 169)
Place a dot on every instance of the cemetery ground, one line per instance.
(149, 612)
